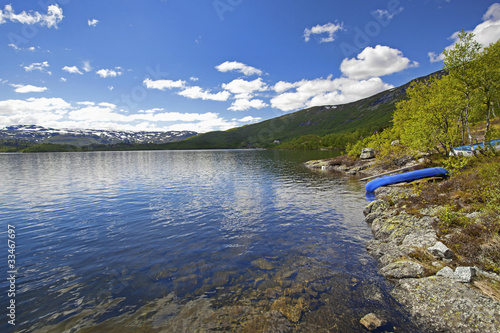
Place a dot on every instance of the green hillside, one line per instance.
(368, 114)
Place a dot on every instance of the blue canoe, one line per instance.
(405, 177)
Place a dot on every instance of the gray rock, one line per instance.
(403, 269)
(371, 217)
(464, 274)
(377, 206)
(367, 153)
(440, 250)
(443, 305)
(420, 238)
(446, 272)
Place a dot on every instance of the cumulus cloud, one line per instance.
(375, 62)
(14, 107)
(38, 66)
(93, 22)
(72, 70)
(105, 73)
(53, 17)
(230, 66)
(198, 93)
(244, 92)
(243, 104)
(163, 84)
(329, 91)
(240, 86)
(485, 33)
(329, 29)
(24, 89)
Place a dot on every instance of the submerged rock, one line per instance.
(372, 322)
(263, 264)
(289, 307)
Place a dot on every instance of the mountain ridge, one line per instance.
(84, 137)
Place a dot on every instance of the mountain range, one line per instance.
(78, 137)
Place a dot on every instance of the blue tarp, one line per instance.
(467, 147)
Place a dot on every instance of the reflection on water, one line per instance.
(188, 241)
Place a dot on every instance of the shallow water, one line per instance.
(180, 241)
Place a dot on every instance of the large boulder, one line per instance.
(367, 153)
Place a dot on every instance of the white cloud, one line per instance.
(248, 119)
(198, 93)
(330, 29)
(489, 30)
(86, 103)
(230, 66)
(374, 62)
(308, 93)
(24, 89)
(57, 113)
(283, 86)
(433, 57)
(243, 104)
(194, 79)
(244, 91)
(93, 22)
(240, 86)
(163, 84)
(33, 105)
(38, 66)
(105, 73)
(72, 70)
(86, 66)
(485, 33)
(53, 17)
(63, 79)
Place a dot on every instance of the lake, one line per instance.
(187, 241)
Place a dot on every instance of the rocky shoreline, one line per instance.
(440, 295)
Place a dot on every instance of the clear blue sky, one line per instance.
(207, 65)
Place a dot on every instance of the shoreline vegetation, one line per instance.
(439, 240)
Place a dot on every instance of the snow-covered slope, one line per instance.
(80, 137)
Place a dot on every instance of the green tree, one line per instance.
(427, 119)
(487, 68)
(459, 63)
